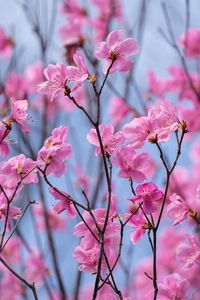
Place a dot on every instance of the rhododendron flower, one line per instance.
(13, 213)
(78, 73)
(130, 163)
(150, 195)
(16, 168)
(88, 258)
(56, 76)
(139, 224)
(4, 149)
(34, 75)
(109, 139)
(55, 221)
(19, 114)
(190, 42)
(116, 51)
(54, 152)
(118, 110)
(188, 253)
(16, 86)
(36, 269)
(177, 209)
(173, 287)
(138, 131)
(11, 286)
(165, 115)
(6, 44)
(11, 252)
(157, 86)
(64, 203)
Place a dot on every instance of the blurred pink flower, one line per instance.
(190, 42)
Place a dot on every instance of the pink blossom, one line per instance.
(138, 131)
(55, 221)
(34, 75)
(64, 202)
(17, 168)
(16, 86)
(72, 34)
(19, 114)
(173, 287)
(188, 253)
(117, 50)
(13, 213)
(110, 140)
(6, 44)
(34, 264)
(4, 149)
(78, 73)
(118, 110)
(165, 115)
(55, 152)
(139, 224)
(130, 163)
(190, 42)
(74, 10)
(82, 180)
(56, 76)
(11, 286)
(177, 209)
(150, 195)
(88, 258)
(156, 86)
(11, 252)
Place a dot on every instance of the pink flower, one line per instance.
(173, 287)
(118, 110)
(4, 149)
(177, 209)
(55, 221)
(156, 86)
(11, 252)
(190, 42)
(138, 131)
(64, 202)
(34, 75)
(11, 286)
(150, 195)
(139, 224)
(16, 86)
(55, 152)
(36, 269)
(165, 115)
(109, 139)
(19, 167)
(56, 76)
(78, 73)
(88, 258)
(19, 114)
(6, 44)
(14, 212)
(189, 253)
(131, 163)
(117, 50)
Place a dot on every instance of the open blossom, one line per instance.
(156, 85)
(190, 42)
(55, 152)
(34, 75)
(177, 209)
(173, 287)
(6, 44)
(78, 73)
(139, 224)
(109, 139)
(14, 212)
(64, 203)
(18, 114)
(138, 131)
(165, 115)
(56, 76)
(16, 86)
(150, 195)
(188, 253)
(16, 168)
(116, 50)
(131, 164)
